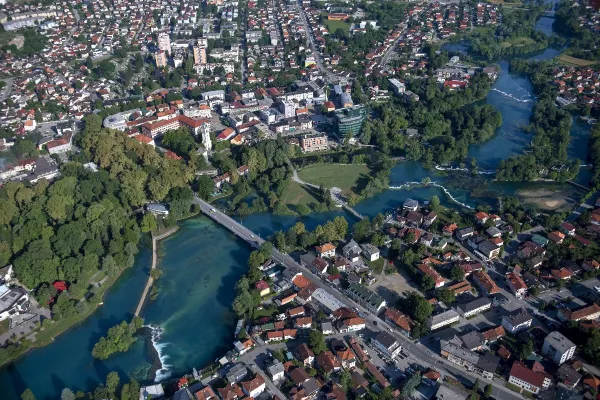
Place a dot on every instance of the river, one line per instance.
(202, 262)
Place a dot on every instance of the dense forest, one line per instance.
(68, 230)
(594, 154)
(145, 174)
(80, 228)
(446, 124)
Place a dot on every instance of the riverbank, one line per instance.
(46, 335)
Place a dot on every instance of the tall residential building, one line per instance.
(558, 348)
(200, 55)
(164, 42)
(161, 58)
(205, 129)
(288, 108)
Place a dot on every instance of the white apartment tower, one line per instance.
(164, 42)
(205, 129)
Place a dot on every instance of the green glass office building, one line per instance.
(349, 121)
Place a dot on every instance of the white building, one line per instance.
(206, 141)
(474, 307)
(516, 321)
(164, 42)
(254, 387)
(351, 325)
(12, 301)
(387, 344)
(396, 86)
(327, 300)
(275, 370)
(532, 380)
(152, 392)
(370, 252)
(444, 319)
(516, 285)
(558, 348)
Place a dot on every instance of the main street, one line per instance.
(330, 76)
(420, 352)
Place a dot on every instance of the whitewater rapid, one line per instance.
(165, 369)
(446, 191)
(520, 100)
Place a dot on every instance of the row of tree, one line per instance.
(551, 133)
(299, 237)
(111, 389)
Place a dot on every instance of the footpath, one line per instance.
(155, 240)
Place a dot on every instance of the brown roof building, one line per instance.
(583, 314)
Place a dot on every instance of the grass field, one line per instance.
(332, 26)
(521, 41)
(346, 177)
(295, 195)
(4, 325)
(575, 61)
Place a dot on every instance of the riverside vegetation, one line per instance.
(516, 34)
(80, 228)
(447, 125)
(118, 339)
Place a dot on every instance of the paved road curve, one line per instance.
(420, 352)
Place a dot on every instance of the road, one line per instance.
(420, 352)
(329, 76)
(390, 50)
(7, 89)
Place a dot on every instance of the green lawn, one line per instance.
(377, 265)
(4, 325)
(346, 177)
(332, 26)
(296, 194)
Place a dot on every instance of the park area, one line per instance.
(295, 194)
(348, 177)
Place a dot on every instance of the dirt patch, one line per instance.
(391, 287)
(18, 41)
